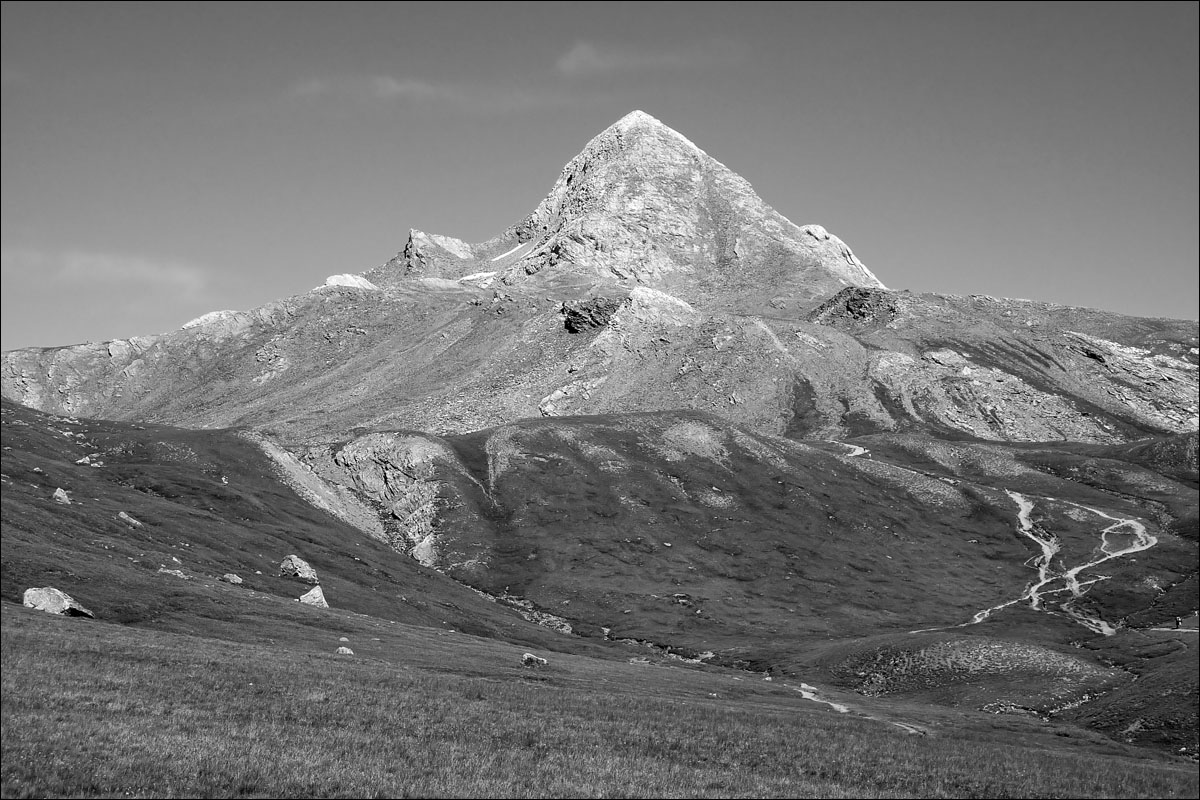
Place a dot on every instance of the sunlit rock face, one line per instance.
(650, 278)
(642, 205)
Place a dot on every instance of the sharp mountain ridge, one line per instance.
(651, 277)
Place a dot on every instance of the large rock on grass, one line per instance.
(54, 601)
(296, 567)
(314, 597)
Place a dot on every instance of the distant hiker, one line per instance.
(1178, 622)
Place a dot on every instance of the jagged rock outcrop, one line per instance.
(585, 315)
(332, 496)
(409, 477)
(857, 304)
(294, 566)
(54, 601)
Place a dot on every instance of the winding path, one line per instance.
(810, 693)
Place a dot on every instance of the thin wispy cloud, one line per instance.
(82, 268)
(377, 87)
(592, 59)
(464, 97)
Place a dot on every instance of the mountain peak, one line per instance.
(635, 118)
(643, 205)
(640, 122)
(636, 135)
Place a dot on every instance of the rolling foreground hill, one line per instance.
(668, 441)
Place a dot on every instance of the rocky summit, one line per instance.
(642, 205)
(655, 417)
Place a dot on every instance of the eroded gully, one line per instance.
(1121, 538)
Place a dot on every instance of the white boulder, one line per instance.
(314, 597)
(54, 601)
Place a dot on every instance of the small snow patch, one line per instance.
(508, 253)
(204, 319)
(353, 281)
(480, 279)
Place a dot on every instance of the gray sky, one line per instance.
(160, 161)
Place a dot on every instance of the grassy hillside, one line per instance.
(97, 709)
(189, 685)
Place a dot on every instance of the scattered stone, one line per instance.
(39, 471)
(54, 601)
(231, 577)
(345, 651)
(296, 567)
(530, 660)
(178, 573)
(61, 497)
(128, 520)
(343, 639)
(314, 597)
